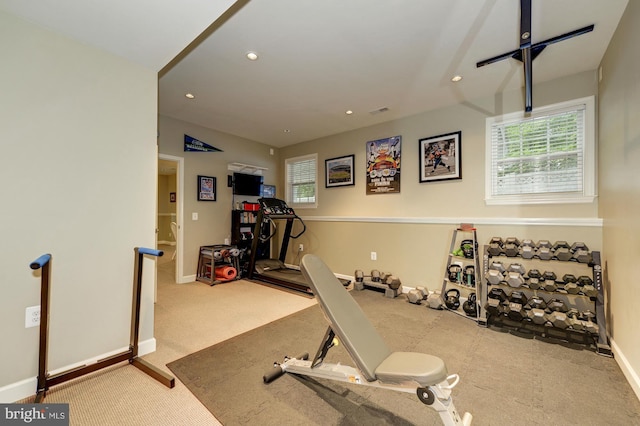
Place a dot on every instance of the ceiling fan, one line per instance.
(528, 52)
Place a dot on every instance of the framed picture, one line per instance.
(268, 191)
(206, 188)
(383, 165)
(172, 197)
(441, 157)
(339, 171)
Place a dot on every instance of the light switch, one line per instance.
(194, 216)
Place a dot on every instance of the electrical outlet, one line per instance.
(300, 247)
(374, 255)
(32, 316)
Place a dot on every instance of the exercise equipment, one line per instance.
(537, 316)
(376, 365)
(511, 247)
(417, 295)
(470, 276)
(214, 262)
(515, 309)
(514, 279)
(455, 273)
(559, 319)
(470, 306)
(435, 300)
(46, 380)
(495, 301)
(544, 250)
(274, 271)
(495, 246)
(452, 299)
(467, 248)
(561, 251)
(494, 276)
(380, 280)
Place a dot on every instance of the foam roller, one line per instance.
(226, 272)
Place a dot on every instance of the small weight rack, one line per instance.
(216, 256)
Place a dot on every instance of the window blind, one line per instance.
(301, 180)
(539, 155)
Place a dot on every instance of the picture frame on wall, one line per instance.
(206, 188)
(172, 197)
(440, 157)
(339, 171)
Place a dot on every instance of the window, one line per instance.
(301, 178)
(547, 157)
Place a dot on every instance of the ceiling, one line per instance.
(320, 58)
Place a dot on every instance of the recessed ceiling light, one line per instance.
(190, 95)
(348, 112)
(456, 78)
(252, 56)
(287, 130)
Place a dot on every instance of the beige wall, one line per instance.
(348, 225)
(620, 186)
(214, 218)
(78, 129)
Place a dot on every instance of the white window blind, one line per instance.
(301, 180)
(543, 157)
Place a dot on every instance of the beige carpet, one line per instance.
(188, 317)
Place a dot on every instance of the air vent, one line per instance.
(379, 110)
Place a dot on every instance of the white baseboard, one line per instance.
(187, 279)
(627, 369)
(25, 388)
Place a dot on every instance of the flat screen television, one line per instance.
(244, 184)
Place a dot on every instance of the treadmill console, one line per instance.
(275, 207)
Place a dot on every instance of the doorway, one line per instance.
(170, 208)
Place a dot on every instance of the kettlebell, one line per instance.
(455, 271)
(470, 307)
(452, 299)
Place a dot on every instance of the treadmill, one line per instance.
(274, 271)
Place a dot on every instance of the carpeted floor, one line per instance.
(505, 379)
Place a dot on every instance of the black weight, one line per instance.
(556, 305)
(495, 246)
(452, 299)
(470, 307)
(534, 273)
(455, 272)
(537, 302)
(498, 294)
(511, 247)
(467, 248)
(470, 275)
(517, 302)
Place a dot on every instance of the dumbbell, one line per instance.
(579, 245)
(359, 276)
(570, 284)
(498, 266)
(514, 279)
(582, 256)
(515, 309)
(417, 295)
(452, 298)
(455, 272)
(556, 305)
(495, 246)
(470, 275)
(511, 247)
(435, 301)
(589, 325)
(495, 300)
(534, 279)
(393, 282)
(549, 283)
(561, 251)
(517, 267)
(574, 321)
(559, 319)
(527, 249)
(494, 276)
(537, 302)
(536, 307)
(375, 275)
(544, 250)
(470, 307)
(587, 287)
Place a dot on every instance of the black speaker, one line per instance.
(229, 181)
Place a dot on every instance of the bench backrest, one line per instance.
(347, 320)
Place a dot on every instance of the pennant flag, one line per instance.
(193, 144)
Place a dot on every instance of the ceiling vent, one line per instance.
(379, 110)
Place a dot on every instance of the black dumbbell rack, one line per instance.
(462, 284)
(581, 302)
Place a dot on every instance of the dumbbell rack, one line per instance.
(581, 302)
(465, 289)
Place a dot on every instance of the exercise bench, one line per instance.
(376, 364)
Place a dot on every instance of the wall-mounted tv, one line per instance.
(244, 184)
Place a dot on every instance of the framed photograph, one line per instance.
(172, 197)
(441, 157)
(268, 191)
(206, 188)
(339, 171)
